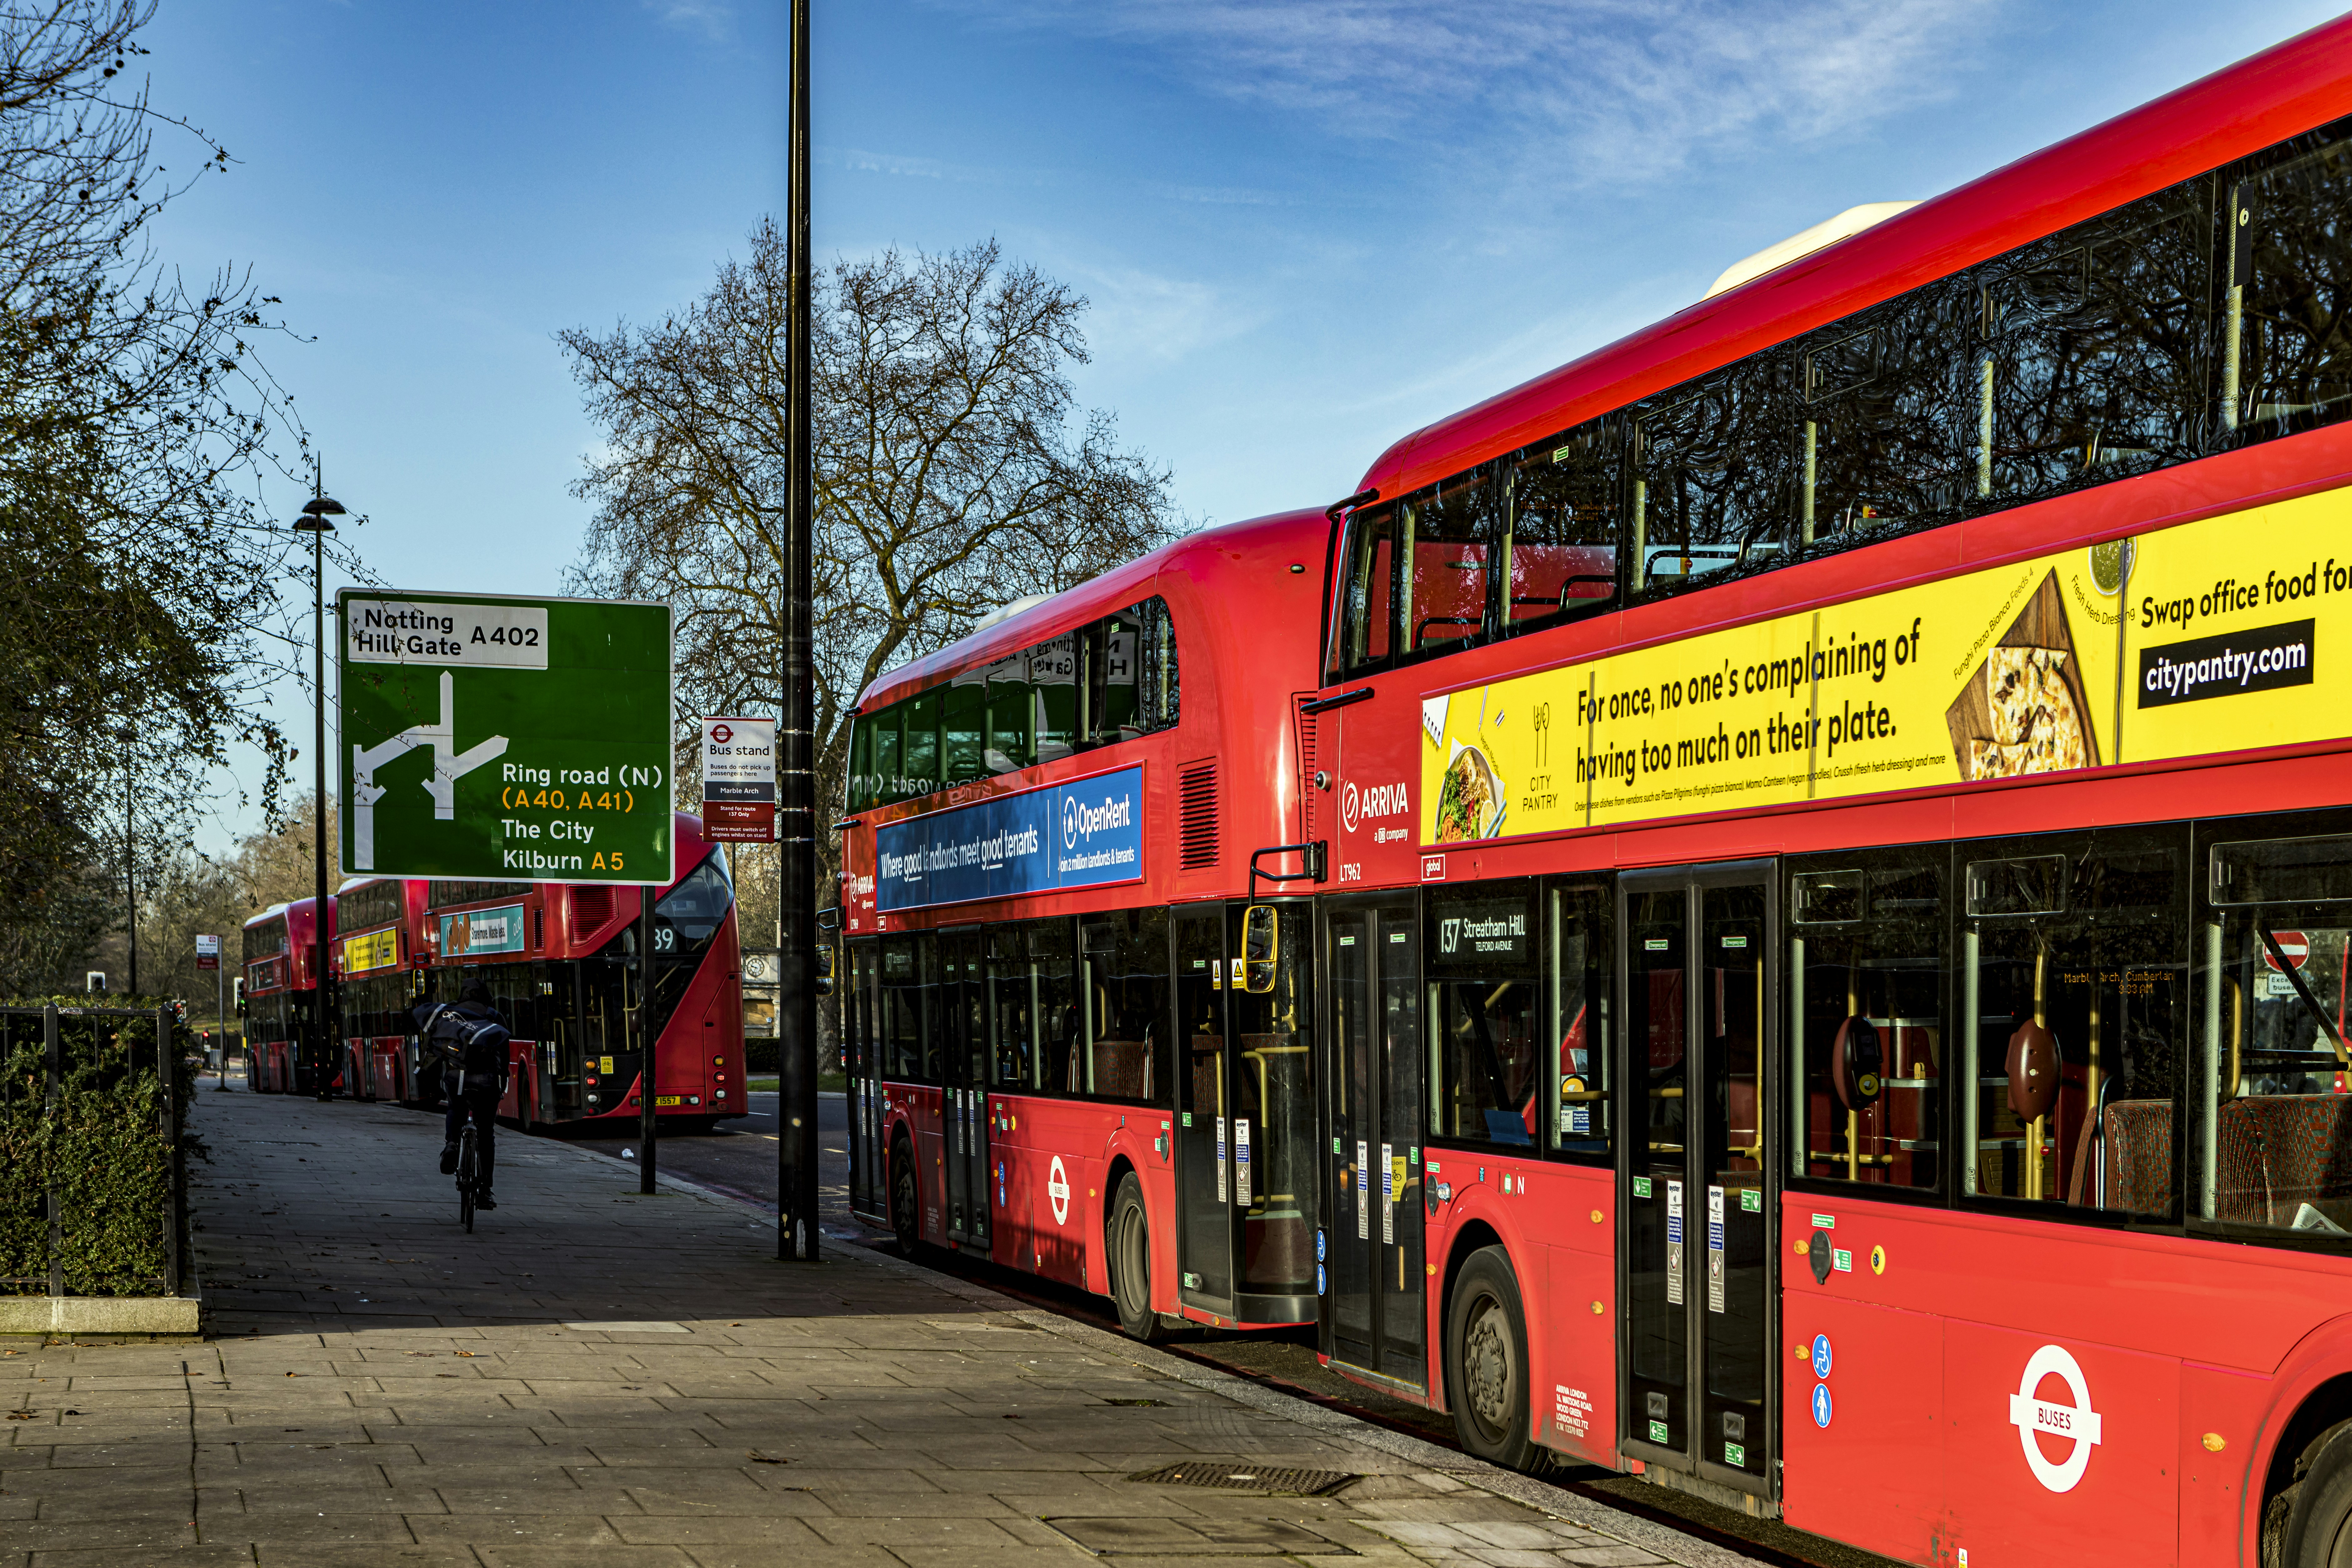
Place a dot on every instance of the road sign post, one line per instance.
(504, 740)
(500, 739)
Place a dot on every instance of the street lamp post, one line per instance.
(313, 521)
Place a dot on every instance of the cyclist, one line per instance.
(472, 1039)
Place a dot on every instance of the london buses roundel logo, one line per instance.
(2036, 1419)
(1057, 1187)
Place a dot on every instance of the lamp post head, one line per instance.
(316, 512)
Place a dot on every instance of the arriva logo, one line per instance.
(1382, 800)
(1080, 821)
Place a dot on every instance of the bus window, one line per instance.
(964, 719)
(903, 1021)
(2274, 1062)
(1581, 949)
(1485, 1061)
(1014, 1002)
(858, 790)
(1454, 530)
(889, 776)
(1880, 445)
(2290, 254)
(1560, 544)
(1053, 689)
(1161, 695)
(1366, 611)
(1008, 744)
(1126, 1042)
(921, 758)
(1717, 475)
(1113, 706)
(1865, 983)
(2091, 368)
(1053, 967)
(2073, 993)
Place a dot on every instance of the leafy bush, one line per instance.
(104, 1142)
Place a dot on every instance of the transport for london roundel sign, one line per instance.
(1057, 1187)
(2036, 1418)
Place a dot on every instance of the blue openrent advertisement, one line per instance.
(1085, 834)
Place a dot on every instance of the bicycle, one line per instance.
(469, 1172)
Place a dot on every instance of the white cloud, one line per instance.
(1601, 90)
(715, 19)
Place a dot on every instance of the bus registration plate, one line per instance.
(666, 1100)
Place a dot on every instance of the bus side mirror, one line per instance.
(1260, 947)
(824, 971)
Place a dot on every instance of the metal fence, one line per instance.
(93, 1191)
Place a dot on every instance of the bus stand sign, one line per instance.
(207, 953)
(738, 780)
(495, 738)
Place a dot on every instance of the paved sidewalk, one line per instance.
(595, 1376)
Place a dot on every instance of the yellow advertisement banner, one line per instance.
(2196, 639)
(378, 950)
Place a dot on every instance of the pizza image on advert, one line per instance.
(2024, 710)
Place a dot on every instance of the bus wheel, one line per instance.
(906, 1200)
(1130, 1263)
(1486, 1361)
(2318, 1506)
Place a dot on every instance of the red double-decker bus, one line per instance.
(1827, 985)
(281, 996)
(560, 962)
(383, 950)
(1054, 827)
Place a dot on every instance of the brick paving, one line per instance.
(597, 1376)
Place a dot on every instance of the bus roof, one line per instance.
(1280, 533)
(2239, 110)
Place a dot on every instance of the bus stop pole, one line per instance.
(796, 1065)
(647, 1080)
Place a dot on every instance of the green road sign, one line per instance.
(502, 739)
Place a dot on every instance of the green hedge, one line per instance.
(104, 1144)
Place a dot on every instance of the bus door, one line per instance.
(860, 1021)
(1374, 1280)
(1204, 1114)
(1696, 1368)
(964, 1093)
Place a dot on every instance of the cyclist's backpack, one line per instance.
(479, 1045)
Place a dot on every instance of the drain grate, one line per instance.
(1275, 1481)
(1139, 1404)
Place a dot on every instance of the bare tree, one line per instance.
(955, 471)
(139, 607)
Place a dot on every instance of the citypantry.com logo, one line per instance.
(1080, 821)
(1381, 801)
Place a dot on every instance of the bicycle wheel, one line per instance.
(468, 1173)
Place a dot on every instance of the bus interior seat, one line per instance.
(2137, 1157)
(2279, 1151)
(1123, 1069)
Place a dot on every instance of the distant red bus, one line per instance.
(1826, 983)
(560, 962)
(280, 997)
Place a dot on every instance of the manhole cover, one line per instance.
(1275, 1480)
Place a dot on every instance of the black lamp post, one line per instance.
(313, 521)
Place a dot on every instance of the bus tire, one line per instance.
(2318, 1508)
(905, 1196)
(1486, 1362)
(1129, 1251)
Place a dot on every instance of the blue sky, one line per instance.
(1307, 227)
